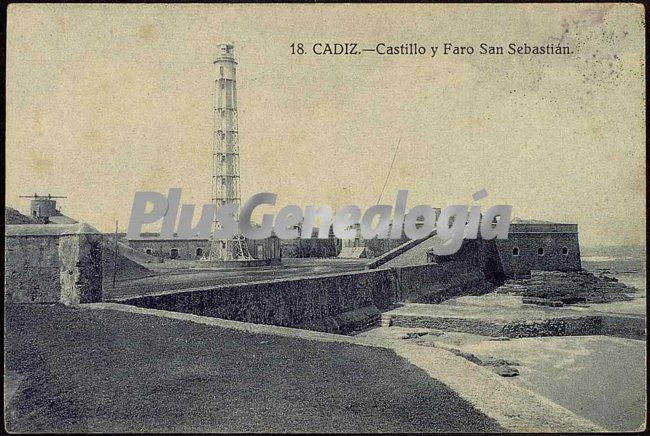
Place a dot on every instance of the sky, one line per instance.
(107, 100)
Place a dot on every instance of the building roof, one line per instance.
(49, 229)
(61, 219)
(517, 220)
(156, 237)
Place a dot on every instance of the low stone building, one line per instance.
(311, 247)
(531, 245)
(53, 263)
(197, 248)
(170, 248)
(539, 245)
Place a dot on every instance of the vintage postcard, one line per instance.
(325, 218)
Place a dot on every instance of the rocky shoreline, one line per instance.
(559, 288)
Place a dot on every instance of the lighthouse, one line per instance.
(225, 154)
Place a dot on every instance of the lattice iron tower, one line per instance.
(225, 154)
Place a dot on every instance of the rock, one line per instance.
(413, 335)
(496, 362)
(542, 301)
(436, 333)
(506, 371)
(468, 356)
(426, 344)
(573, 300)
(500, 338)
(557, 286)
(504, 368)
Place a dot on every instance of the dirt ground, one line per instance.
(104, 371)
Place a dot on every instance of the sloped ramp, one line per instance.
(416, 254)
(135, 255)
(130, 252)
(353, 253)
(413, 252)
(127, 269)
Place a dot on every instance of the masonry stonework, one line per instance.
(544, 247)
(194, 249)
(316, 303)
(53, 263)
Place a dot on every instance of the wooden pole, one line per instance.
(115, 256)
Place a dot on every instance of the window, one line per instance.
(221, 70)
(223, 85)
(173, 253)
(515, 251)
(565, 250)
(540, 251)
(148, 251)
(199, 251)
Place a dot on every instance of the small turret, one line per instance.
(43, 207)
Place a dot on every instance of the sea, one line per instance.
(627, 263)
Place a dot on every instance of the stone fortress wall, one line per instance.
(53, 263)
(544, 247)
(321, 302)
(56, 263)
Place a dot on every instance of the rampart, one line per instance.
(333, 303)
(53, 263)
